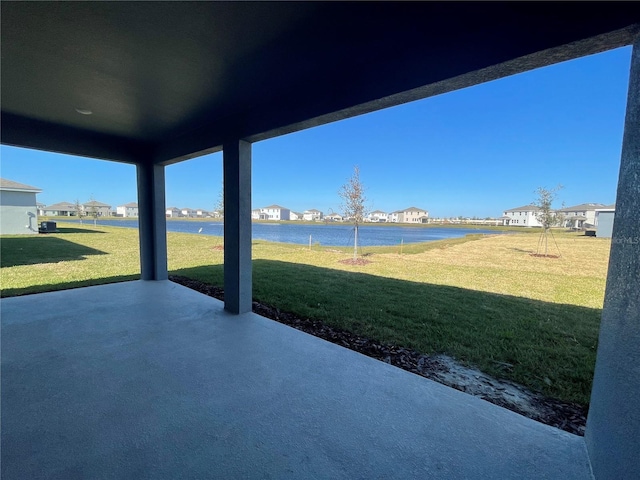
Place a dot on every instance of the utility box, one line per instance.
(48, 227)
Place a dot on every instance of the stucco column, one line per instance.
(152, 222)
(613, 425)
(237, 226)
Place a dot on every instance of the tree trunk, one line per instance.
(355, 243)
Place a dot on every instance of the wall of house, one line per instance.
(18, 213)
(605, 224)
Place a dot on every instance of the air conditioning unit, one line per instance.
(48, 227)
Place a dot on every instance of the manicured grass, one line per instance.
(482, 299)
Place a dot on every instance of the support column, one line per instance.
(613, 425)
(237, 226)
(152, 222)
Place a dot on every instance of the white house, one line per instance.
(412, 215)
(524, 216)
(18, 208)
(312, 215)
(187, 212)
(377, 216)
(295, 215)
(101, 209)
(173, 212)
(393, 217)
(579, 216)
(333, 217)
(127, 210)
(275, 212)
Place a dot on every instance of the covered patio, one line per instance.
(168, 383)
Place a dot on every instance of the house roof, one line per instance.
(378, 211)
(61, 206)
(412, 209)
(10, 185)
(525, 208)
(95, 203)
(276, 207)
(256, 70)
(583, 207)
(312, 210)
(130, 205)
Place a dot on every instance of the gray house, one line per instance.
(18, 208)
(148, 378)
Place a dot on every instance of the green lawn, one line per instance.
(482, 299)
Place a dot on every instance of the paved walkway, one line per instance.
(152, 380)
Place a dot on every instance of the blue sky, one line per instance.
(473, 152)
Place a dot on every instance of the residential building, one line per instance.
(275, 212)
(295, 215)
(525, 216)
(61, 209)
(580, 216)
(333, 217)
(127, 210)
(413, 215)
(200, 213)
(100, 209)
(393, 217)
(377, 216)
(40, 206)
(173, 212)
(18, 208)
(187, 212)
(312, 215)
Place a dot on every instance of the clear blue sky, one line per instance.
(473, 152)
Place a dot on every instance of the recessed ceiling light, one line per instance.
(84, 111)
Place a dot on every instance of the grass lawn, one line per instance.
(482, 299)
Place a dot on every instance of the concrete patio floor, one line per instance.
(153, 380)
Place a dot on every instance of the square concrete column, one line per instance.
(613, 425)
(152, 222)
(237, 226)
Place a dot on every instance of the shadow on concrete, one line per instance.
(549, 347)
(34, 250)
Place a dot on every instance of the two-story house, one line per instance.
(413, 215)
(312, 215)
(525, 216)
(98, 208)
(580, 216)
(173, 212)
(127, 210)
(377, 216)
(275, 212)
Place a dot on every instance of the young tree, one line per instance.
(353, 204)
(546, 215)
(93, 210)
(219, 206)
(79, 210)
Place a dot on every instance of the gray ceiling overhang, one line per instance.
(169, 80)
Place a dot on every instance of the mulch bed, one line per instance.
(355, 261)
(566, 416)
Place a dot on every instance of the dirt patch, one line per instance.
(355, 261)
(440, 368)
(218, 247)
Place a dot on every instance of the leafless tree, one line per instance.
(93, 210)
(353, 204)
(546, 215)
(79, 210)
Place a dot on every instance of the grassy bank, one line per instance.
(483, 299)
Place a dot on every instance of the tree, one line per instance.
(353, 204)
(79, 210)
(546, 215)
(219, 206)
(93, 210)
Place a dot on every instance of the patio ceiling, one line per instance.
(165, 81)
